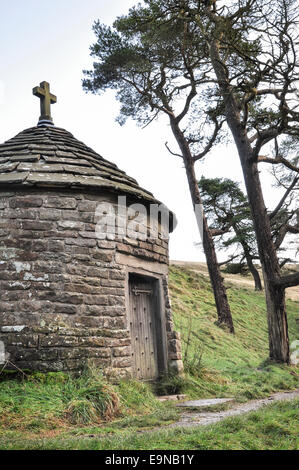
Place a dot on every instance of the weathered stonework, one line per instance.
(63, 291)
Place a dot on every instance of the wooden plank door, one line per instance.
(143, 319)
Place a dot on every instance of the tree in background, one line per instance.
(230, 219)
(231, 223)
(145, 62)
(234, 64)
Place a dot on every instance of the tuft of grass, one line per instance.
(92, 399)
(137, 397)
(171, 384)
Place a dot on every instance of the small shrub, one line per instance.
(236, 268)
(50, 378)
(170, 384)
(193, 364)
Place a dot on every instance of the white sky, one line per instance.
(50, 41)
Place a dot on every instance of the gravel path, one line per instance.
(204, 418)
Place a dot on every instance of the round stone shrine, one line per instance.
(83, 260)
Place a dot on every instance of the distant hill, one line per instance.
(237, 279)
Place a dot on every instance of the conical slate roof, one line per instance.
(48, 156)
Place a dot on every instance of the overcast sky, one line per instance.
(50, 41)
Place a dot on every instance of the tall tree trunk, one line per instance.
(255, 274)
(252, 268)
(275, 294)
(221, 300)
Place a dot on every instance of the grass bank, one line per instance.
(47, 404)
(271, 428)
(222, 364)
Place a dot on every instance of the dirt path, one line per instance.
(291, 293)
(191, 419)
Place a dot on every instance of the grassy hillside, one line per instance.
(231, 365)
(217, 364)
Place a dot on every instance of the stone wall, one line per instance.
(62, 291)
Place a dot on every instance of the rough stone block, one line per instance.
(70, 225)
(104, 257)
(55, 340)
(121, 362)
(117, 275)
(28, 201)
(37, 225)
(60, 202)
(122, 351)
(96, 299)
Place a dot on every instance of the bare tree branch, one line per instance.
(212, 140)
(276, 161)
(293, 229)
(228, 260)
(281, 202)
(288, 281)
(172, 153)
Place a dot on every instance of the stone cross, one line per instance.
(46, 99)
